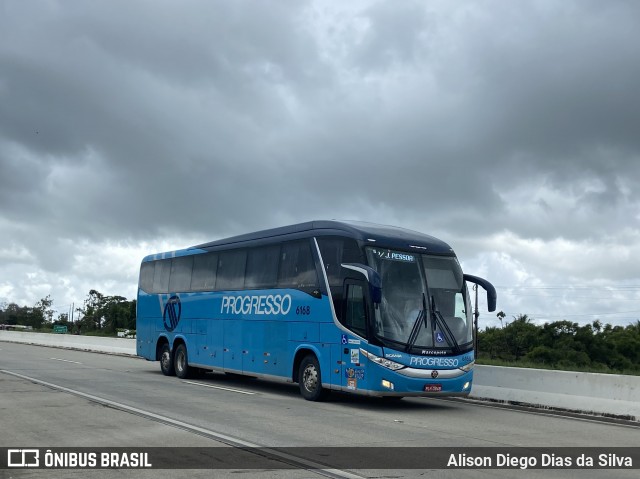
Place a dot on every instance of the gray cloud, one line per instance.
(130, 124)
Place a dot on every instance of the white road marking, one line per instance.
(219, 387)
(65, 360)
(313, 467)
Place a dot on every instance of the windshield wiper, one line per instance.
(448, 335)
(422, 315)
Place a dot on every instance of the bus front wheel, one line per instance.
(166, 361)
(310, 379)
(181, 362)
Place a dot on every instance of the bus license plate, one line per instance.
(433, 388)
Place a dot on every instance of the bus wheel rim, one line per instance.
(180, 362)
(165, 359)
(310, 378)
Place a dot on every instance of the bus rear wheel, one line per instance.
(310, 379)
(181, 362)
(166, 361)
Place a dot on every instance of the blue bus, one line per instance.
(333, 306)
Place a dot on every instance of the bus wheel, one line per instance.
(166, 361)
(310, 380)
(181, 362)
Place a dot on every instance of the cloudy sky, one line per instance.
(511, 130)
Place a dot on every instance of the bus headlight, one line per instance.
(387, 384)
(468, 367)
(382, 361)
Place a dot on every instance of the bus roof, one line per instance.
(388, 236)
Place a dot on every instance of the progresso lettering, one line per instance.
(254, 304)
(440, 362)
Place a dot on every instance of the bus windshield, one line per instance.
(424, 301)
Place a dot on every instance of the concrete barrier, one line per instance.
(601, 394)
(87, 343)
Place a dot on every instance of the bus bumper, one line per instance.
(384, 382)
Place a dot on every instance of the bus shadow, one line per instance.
(249, 383)
(335, 397)
(386, 404)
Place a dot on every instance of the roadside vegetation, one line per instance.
(595, 347)
(99, 315)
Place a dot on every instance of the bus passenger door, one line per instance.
(355, 319)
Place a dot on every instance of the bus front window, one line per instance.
(405, 277)
(446, 287)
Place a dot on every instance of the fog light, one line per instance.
(466, 386)
(387, 384)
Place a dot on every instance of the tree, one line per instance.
(43, 307)
(543, 355)
(520, 336)
(115, 311)
(14, 314)
(108, 313)
(91, 312)
(491, 342)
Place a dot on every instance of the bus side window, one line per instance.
(297, 268)
(161, 276)
(205, 267)
(180, 280)
(336, 250)
(355, 317)
(262, 267)
(231, 266)
(146, 276)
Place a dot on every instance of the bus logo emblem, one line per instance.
(172, 312)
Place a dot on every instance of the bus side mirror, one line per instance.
(488, 287)
(372, 277)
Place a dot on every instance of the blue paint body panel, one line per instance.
(261, 332)
(253, 345)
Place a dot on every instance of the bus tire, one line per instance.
(181, 362)
(310, 379)
(166, 360)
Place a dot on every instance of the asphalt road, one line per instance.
(62, 398)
